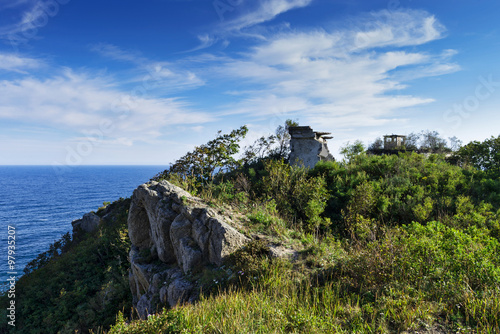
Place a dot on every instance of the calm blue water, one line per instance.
(41, 202)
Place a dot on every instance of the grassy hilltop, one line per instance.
(376, 244)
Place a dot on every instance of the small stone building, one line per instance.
(308, 146)
(394, 142)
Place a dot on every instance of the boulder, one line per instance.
(87, 224)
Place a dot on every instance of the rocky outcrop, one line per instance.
(173, 234)
(87, 224)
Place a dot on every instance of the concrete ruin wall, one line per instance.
(394, 142)
(308, 147)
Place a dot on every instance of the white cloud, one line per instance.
(15, 63)
(153, 74)
(398, 28)
(162, 75)
(264, 10)
(236, 17)
(36, 15)
(329, 79)
(84, 105)
(332, 79)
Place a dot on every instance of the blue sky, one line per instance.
(143, 82)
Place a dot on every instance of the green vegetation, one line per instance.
(385, 244)
(209, 160)
(380, 244)
(78, 284)
(422, 142)
(482, 155)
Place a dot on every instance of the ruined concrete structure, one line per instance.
(308, 146)
(394, 142)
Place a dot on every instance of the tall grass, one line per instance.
(278, 301)
(386, 286)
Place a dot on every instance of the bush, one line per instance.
(298, 196)
(392, 189)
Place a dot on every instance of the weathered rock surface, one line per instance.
(308, 147)
(87, 224)
(173, 234)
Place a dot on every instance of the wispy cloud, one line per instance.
(83, 102)
(245, 15)
(114, 52)
(12, 4)
(15, 63)
(397, 28)
(33, 17)
(336, 78)
(157, 75)
(206, 41)
(262, 11)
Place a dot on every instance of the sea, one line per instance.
(38, 204)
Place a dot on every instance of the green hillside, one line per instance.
(378, 244)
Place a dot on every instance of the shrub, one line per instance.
(298, 196)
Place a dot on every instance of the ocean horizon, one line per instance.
(41, 201)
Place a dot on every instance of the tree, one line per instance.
(482, 155)
(428, 141)
(276, 146)
(455, 143)
(208, 160)
(377, 145)
(432, 142)
(259, 149)
(282, 151)
(411, 141)
(349, 151)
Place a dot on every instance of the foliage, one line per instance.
(431, 142)
(481, 155)
(423, 142)
(398, 189)
(382, 244)
(76, 286)
(415, 278)
(349, 151)
(275, 146)
(412, 141)
(165, 322)
(455, 143)
(300, 198)
(248, 259)
(377, 145)
(55, 250)
(427, 141)
(208, 160)
(266, 218)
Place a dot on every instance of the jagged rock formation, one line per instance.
(173, 234)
